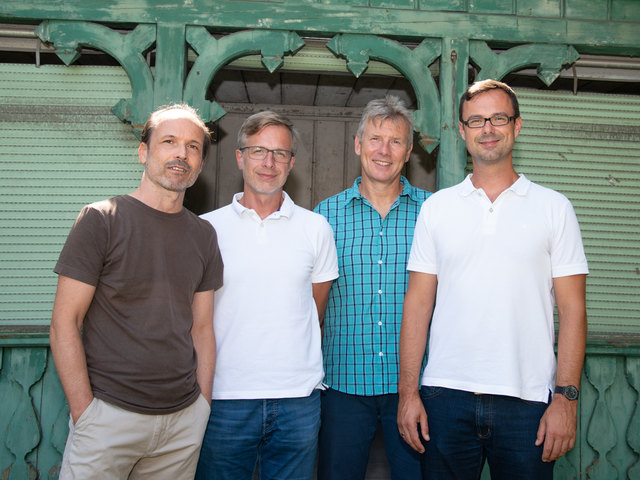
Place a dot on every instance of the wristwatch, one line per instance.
(569, 391)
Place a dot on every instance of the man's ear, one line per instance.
(518, 126)
(408, 153)
(239, 159)
(461, 128)
(142, 152)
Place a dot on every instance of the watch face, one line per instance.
(571, 392)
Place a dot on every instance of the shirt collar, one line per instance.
(285, 210)
(407, 190)
(519, 187)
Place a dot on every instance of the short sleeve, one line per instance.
(326, 264)
(567, 250)
(422, 257)
(83, 254)
(214, 272)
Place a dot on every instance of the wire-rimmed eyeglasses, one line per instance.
(497, 120)
(260, 153)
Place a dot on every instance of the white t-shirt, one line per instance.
(265, 319)
(492, 329)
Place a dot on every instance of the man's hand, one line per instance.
(411, 417)
(558, 428)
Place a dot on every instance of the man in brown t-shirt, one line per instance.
(131, 331)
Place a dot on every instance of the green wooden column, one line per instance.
(452, 159)
(171, 63)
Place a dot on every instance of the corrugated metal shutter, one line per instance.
(587, 146)
(60, 148)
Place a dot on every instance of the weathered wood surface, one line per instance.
(593, 26)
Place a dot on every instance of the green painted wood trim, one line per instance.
(214, 53)
(38, 335)
(24, 336)
(70, 37)
(593, 36)
(549, 60)
(452, 159)
(607, 438)
(413, 64)
(170, 65)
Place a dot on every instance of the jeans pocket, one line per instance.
(427, 392)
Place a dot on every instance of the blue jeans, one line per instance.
(278, 437)
(466, 429)
(349, 423)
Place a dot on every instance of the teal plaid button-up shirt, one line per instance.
(362, 320)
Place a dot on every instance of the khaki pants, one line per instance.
(108, 442)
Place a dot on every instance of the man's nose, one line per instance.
(385, 146)
(269, 159)
(488, 126)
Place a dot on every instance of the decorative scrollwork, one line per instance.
(25, 367)
(632, 370)
(413, 64)
(128, 50)
(550, 59)
(601, 432)
(214, 53)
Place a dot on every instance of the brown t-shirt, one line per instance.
(146, 266)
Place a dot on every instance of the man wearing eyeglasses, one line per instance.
(496, 251)
(280, 260)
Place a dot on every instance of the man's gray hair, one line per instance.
(388, 108)
(256, 122)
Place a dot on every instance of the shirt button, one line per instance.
(491, 210)
(380, 292)
(380, 354)
(380, 232)
(379, 262)
(379, 323)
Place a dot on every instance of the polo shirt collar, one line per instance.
(285, 210)
(407, 189)
(519, 187)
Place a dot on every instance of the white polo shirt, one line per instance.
(492, 329)
(265, 318)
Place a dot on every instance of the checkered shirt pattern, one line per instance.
(362, 320)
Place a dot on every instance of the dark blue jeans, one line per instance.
(278, 437)
(349, 423)
(466, 429)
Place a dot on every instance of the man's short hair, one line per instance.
(268, 118)
(388, 108)
(156, 117)
(484, 86)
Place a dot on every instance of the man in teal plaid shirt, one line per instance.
(373, 223)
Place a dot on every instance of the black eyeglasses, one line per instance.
(497, 120)
(260, 153)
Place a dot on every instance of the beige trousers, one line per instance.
(108, 442)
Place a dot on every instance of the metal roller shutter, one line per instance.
(587, 146)
(60, 148)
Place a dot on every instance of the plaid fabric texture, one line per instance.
(362, 321)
